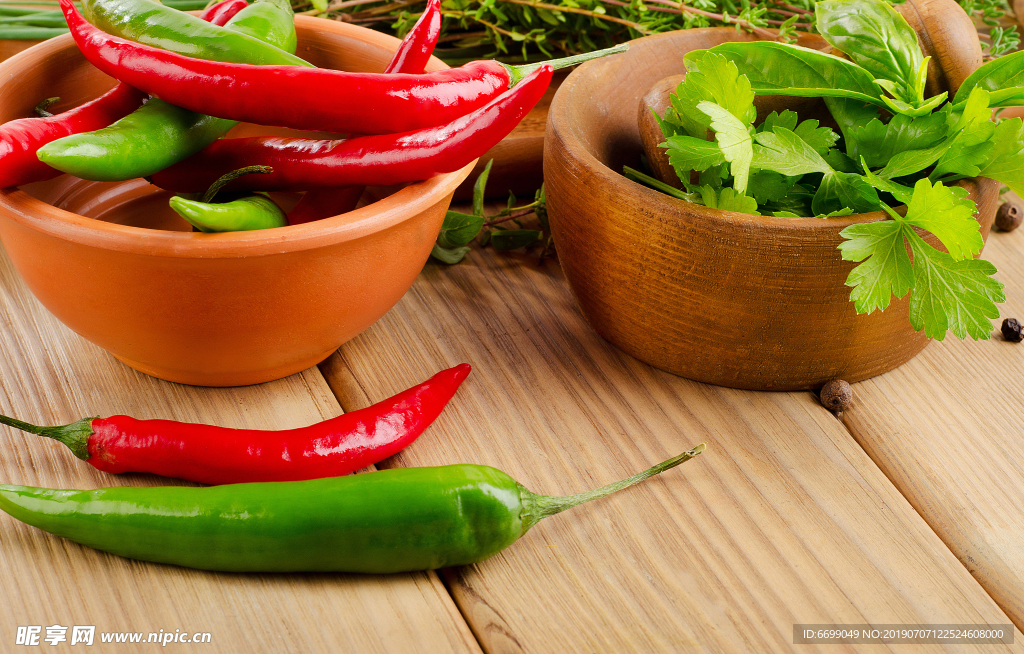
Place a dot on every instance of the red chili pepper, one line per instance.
(411, 57)
(290, 96)
(20, 139)
(222, 12)
(300, 163)
(218, 455)
(418, 44)
(324, 203)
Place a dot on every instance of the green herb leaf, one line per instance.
(1002, 77)
(710, 78)
(687, 153)
(727, 199)
(876, 37)
(821, 139)
(734, 141)
(768, 186)
(787, 119)
(850, 114)
(903, 194)
(952, 295)
(838, 191)
(783, 69)
(450, 256)
(886, 272)
(479, 189)
(877, 142)
(1006, 159)
(784, 152)
(459, 229)
(947, 212)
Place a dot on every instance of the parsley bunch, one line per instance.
(894, 147)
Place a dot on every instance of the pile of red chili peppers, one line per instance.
(235, 64)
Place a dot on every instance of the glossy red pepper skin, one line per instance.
(417, 46)
(411, 57)
(300, 163)
(222, 12)
(20, 139)
(292, 96)
(219, 455)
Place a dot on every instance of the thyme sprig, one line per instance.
(525, 30)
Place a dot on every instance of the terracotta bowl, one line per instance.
(117, 266)
(720, 297)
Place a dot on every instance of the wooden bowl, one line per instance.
(720, 297)
(209, 309)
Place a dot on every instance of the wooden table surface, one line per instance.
(906, 511)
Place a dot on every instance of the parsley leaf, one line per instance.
(886, 272)
(952, 295)
(947, 212)
(784, 152)
(948, 291)
(711, 78)
(687, 153)
(734, 139)
(728, 200)
(844, 190)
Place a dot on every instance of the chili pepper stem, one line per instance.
(516, 73)
(537, 507)
(75, 436)
(227, 178)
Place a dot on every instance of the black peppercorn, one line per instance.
(1012, 331)
(836, 396)
(1009, 216)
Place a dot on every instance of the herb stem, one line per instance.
(505, 219)
(584, 12)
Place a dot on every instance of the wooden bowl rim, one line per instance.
(404, 204)
(568, 132)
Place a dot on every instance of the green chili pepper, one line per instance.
(380, 522)
(249, 212)
(158, 134)
(152, 23)
(255, 211)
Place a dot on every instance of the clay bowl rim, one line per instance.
(568, 132)
(402, 205)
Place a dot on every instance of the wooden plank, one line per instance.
(783, 520)
(49, 375)
(948, 429)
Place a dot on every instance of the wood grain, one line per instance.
(783, 519)
(48, 375)
(948, 430)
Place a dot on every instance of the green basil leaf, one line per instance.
(782, 69)
(874, 36)
(458, 229)
(850, 114)
(1002, 77)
